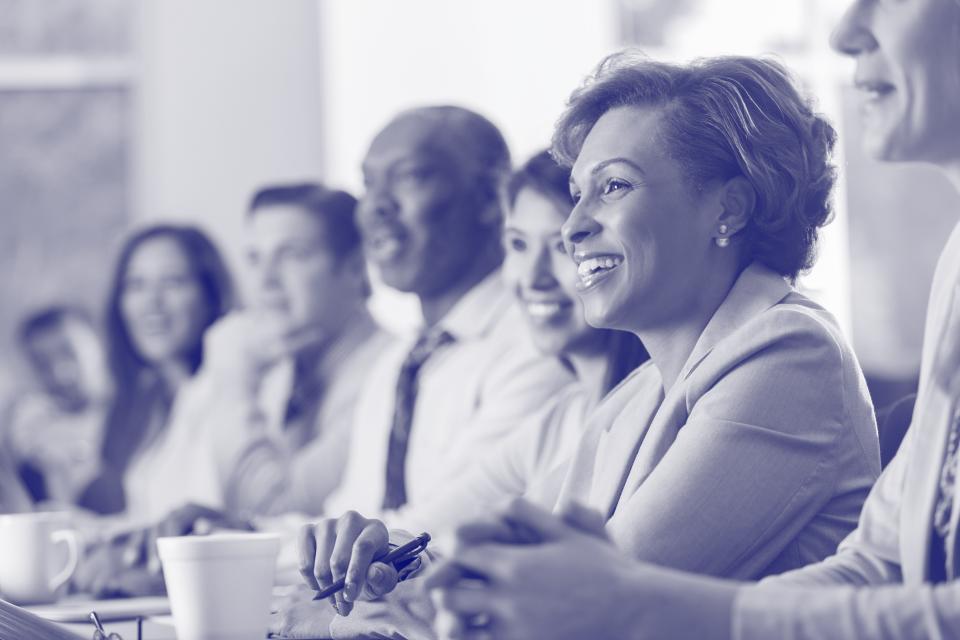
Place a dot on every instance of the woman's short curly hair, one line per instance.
(725, 117)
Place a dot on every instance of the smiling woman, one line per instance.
(747, 445)
(169, 285)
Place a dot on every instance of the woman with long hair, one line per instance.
(169, 285)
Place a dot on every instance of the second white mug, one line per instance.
(32, 568)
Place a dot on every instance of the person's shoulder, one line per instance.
(796, 321)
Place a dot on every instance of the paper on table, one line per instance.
(16, 622)
(78, 610)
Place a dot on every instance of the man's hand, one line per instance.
(245, 345)
(346, 548)
(121, 567)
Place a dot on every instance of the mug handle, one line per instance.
(73, 557)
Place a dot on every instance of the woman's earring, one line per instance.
(722, 242)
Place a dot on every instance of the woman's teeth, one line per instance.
(544, 310)
(592, 266)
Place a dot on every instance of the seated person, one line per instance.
(747, 444)
(897, 575)
(169, 286)
(53, 431)
(431, 221)
(266, 427)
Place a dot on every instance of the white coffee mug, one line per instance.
(220, 585)
(32, 566)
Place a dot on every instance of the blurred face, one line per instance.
(55, 360)
(295, 273)
(419, 215)
(640, 236)
(541, 274)
(162, 303)
(907, 54)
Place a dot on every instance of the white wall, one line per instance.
(513, 61)
(228, 99)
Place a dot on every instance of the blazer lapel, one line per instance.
(607, 446)
(620, 443)
(921, 484)
(757, 289)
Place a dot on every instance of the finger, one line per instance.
(348, 528)
(381, 579)
(372, 540)
(325, 535)
(132, 553)
(583, 518)
(535, 521)
(465, 598)
(484, 531)
(445, 573)
(152, 555)
(493, 563)
(307, 552)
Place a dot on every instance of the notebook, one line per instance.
(18, 623)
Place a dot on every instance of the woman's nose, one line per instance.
(853, 36)
(579, 226)
(539, 271)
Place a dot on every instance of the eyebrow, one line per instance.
(600, 166)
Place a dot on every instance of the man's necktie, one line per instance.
(300, 415)
(395, 491)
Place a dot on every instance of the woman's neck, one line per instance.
(671, 343)
(173, 373)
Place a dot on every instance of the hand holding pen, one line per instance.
(350, 551)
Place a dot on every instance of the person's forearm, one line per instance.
(663, 603)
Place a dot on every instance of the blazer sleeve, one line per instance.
(889, 612)
(755, 459)
(870, 555)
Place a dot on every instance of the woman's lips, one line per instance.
(546, 310)
(595, 268)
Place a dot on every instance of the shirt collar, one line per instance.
(476, 313)
(757, 289)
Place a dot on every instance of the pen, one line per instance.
(408, 551)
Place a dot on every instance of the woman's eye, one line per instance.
(613, 185)
(517, 244)
(575, 196)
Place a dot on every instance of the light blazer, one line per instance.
(756, 461)
(891, 544)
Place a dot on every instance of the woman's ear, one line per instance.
(738, 200)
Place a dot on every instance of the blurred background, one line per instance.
(116, 113)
